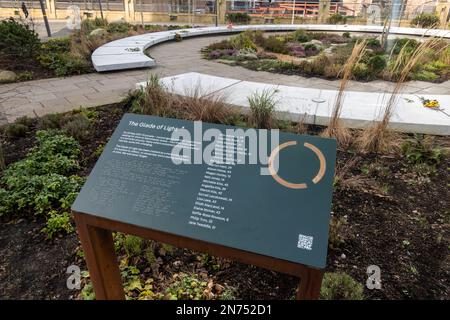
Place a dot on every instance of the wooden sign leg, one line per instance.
(310, 283)
(98, 247)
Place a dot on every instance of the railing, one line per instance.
(109, 5)
(357, 11)
(176, 6)
(307, 9)
(18, 4)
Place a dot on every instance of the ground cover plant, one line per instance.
(325, 54)
(373, 221)
(25, 57)
(425, 20)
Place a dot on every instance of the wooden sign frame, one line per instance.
(96, 239)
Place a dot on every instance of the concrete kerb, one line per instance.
(314, 106)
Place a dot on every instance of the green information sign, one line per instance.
(153, 173)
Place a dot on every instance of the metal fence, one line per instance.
(372, 10)
(110, 5)
(176, 6)
(34, 4)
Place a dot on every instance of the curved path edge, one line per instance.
(129, 53)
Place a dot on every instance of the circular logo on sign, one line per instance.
(292, 185)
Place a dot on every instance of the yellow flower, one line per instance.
(431, 104)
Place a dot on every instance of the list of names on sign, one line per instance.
(213, 196)
(143, 178)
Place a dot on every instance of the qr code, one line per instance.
(305, 242)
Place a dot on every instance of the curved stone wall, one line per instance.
(129, 53)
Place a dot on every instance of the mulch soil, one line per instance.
(398, 225)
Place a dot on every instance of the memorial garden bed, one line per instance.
(389, 209)
(24, 57)
(322, 54)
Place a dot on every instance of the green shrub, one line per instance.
(421, 149)
(118, 27)
(338, 232)
(91, 24)
(238, 17)
(56, 223)
(275, 44)
(56, 45)
(150, 256)
(318, 65)
(26, 121)
(133, 245)
(100, 22)
(262, 107)
(346, 35)
(186, 287)
(424, 75)
(77, 127)
(39, 183)
(50, 121)
(409, 44)
(16, 130)
(18, 39)
(337, 18)
(270, 65)
(64, 64)
(318, 35)
(373, 43)
(176, 26)
(228, 294)
(39, 194)
(301, 36)
(340, 286)
(90, 113)
(222, 45)
(87, 293)
(97, 153)
(376, 63)
(56, 55)
(242, 41)
(25, 75)
(361, 71)
(425, 20)
(435, 66)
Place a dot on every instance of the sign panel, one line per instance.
(155, 173)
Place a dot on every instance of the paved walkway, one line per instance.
(41, 97)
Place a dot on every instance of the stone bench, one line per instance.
(129, 53)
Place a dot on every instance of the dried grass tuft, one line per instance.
(262, 108)
(378, 138)
(334, 128)
(156, 99)
(213, 108)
